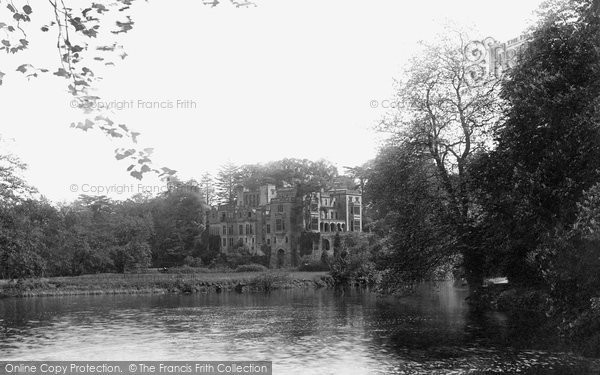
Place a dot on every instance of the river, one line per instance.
(301, 331)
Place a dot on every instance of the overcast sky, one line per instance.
(285, 79)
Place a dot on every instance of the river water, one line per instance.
(301, 331)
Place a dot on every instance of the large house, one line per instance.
(279, 220)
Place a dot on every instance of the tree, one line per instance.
(548, 149)
(207, 189)
(13, 188)
(412, 217)
(178, 217)
(228, 180)
(443, 118)
(359, 175)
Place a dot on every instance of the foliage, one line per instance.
(227, 182)
(356, 261)
(269, 281)
(548, 149)
(82, 58)
(307, 241)
(192, 262)
(178, 218)
(415, 225)
(443, 120)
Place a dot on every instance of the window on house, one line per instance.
(286, 239)
(268, 241)
(280, 208)
(230, 241)
(357, 225)
(224, 241)
(356, 210)
(268, 228)
(241, 229)
(224, 230)
(278, 225)
(314, 223)
(249, 214)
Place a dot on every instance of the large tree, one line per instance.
(548, 149)
(444, 117)
(228, 180)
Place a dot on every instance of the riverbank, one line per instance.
(577, 329)
(158, 283)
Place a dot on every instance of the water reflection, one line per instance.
(301, 331)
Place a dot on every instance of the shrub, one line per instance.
(251, 268)
(357, 267)
(269, 281)
(192, 262)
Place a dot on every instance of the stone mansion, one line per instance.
(270, 219)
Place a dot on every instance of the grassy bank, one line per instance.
(213, 282)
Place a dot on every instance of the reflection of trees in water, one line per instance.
(525, 330)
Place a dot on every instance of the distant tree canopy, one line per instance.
(290, 172)
(97, 234)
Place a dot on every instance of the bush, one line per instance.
(356, 267)
(269, 281)
(192, 262)
(251, 268)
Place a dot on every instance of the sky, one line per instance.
(296, 79)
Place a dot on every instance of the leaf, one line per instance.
(80, 125)
(1, 76)
(121, 156)
(23, 68)
(122, 126)
(27, 9)
(136, 174)
(130, 167)
(145, 168)
(168, 171)
(6, 42)
(61, 72)
(45, 28)
(2, 25)
(134, 136)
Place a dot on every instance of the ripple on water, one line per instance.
(302, 332)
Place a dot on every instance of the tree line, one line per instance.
(97, 234)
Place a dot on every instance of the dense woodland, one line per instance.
(497, 178)
(96, 234)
